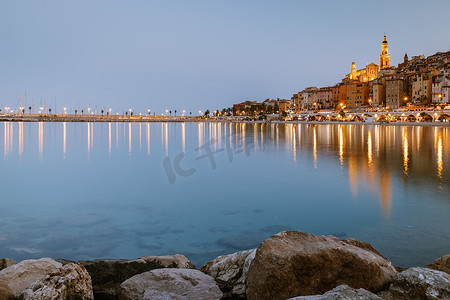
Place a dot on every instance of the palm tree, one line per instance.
(175, 112)
(49, 110)
(190, 113)
(102, 112)
(207, 112)
(29, 109)
(82, 111)
(170, 112)
(76, 111)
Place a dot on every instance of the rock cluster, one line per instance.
(288, 265)
(108, 274)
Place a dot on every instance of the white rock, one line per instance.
(18, 277)
(186, 284)
(71, 281)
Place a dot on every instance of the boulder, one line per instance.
(108, 274)
(19, 276)
(419, 283)
(294, 263)
(342, 292)
(6, 262)
(71, 281)
(441, 264)
(5, 292)
(186, 284)
(230, 272)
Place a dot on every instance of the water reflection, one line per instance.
(371, 155)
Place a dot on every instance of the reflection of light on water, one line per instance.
(294, 143)
(255, 136)
(41, 139)
(199, 126)
(277, 135)
(20, 139)
(341, 145)
(148, 138)
(440, 161)
(369, 148)
(129, 138)
(89, 137)
(243, 135)
(405, 145)
(64, 139)
(262, 137)
(183, 136)
(167, 138)
(140, 137)
(315, 146)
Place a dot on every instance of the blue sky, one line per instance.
(191, 55)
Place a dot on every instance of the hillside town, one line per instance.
(418, 83)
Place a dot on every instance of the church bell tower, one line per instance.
(385, 56)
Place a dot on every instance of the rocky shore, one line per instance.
(288, 265)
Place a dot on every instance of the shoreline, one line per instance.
(248, 274)
(145, 119)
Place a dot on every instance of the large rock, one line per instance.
(342, 292)
(5, 292)
(419, 283)
(180, 284)
(441, 264)
(108, 274)
(294, 263)
(230, 272)
(71, 281)
(18, 277)
(6, 262)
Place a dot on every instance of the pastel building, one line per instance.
(396, 91)
(441, 87)
(357, 95)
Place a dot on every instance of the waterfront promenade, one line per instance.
(427, 117)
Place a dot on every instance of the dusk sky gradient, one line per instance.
(198, 55)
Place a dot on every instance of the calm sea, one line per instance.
(118, 190)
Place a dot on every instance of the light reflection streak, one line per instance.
(41, 140)
(405, 146)
(20, 139)
(167, 138)
(129, 139)
(89, 137)
(369, 147)
(64, 139)
(183, 136)
(341, 145)
(440, 161)
(315, 146)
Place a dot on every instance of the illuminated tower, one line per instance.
(385, 56)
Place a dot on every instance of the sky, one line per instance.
(198, 55)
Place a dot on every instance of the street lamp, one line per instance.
(65, 110)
